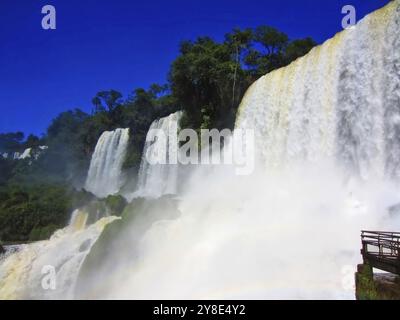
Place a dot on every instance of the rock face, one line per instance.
(378, 286)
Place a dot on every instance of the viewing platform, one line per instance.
(380, 250)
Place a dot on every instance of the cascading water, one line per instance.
(341, 101)
(23, 273)
(159, 179)
(104, 176)
(78, 219)
(291, 231)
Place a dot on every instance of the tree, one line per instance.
(66, 156)
(65, 125)
(239, 40)
(32, 141)
(208, 79)
(157, 90)
(279, 51)
(11, 142)
(6, 168)
(107, 100)
(274, 41)
(299, 48)
(202, 79)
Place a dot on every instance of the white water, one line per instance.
(27, 153)
(78, 219)
(288, 235)
(9, 250)
(105, 171)
(327, 130)
(156, 180)
(22, 273)
(340, 102)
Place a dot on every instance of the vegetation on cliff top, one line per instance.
(206, 81)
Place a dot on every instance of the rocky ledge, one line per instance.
(376, 286)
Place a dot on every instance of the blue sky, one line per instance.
(125, 44)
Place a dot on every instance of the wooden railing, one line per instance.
(381, 250)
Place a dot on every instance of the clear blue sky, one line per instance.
(125, 44)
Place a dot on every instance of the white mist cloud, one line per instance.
(292, 234)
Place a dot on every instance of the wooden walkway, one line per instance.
(381, 250)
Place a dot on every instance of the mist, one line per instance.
(290, 235)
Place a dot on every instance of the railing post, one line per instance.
(364, 248)
(379, 245)
(398, 249)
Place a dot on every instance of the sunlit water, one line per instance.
(328, 140)
(105, 172)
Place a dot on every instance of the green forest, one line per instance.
(206, 81)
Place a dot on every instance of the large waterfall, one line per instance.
(327, 128)
(104, 176)
(160, 178)
(291, 231)
(341, 101)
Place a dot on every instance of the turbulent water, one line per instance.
(23, 274)
(159, 179)
(327, 131)
(105, 174)
(341, 101)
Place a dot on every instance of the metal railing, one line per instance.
(381, 250)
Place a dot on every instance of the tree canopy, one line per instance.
(207, 81)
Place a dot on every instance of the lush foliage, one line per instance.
(207, 81)
(34, 213)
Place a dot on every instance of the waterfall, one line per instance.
(78, 219)
(156, 180)
(104, 176)
(26, 154)
(290, 231)
(341, 101)
(22, 273)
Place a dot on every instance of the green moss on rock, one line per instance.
(39, 233)
(116, 204)
(365, 288)
(370, 286)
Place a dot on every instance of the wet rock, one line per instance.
(85, 246)
(376, 286)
